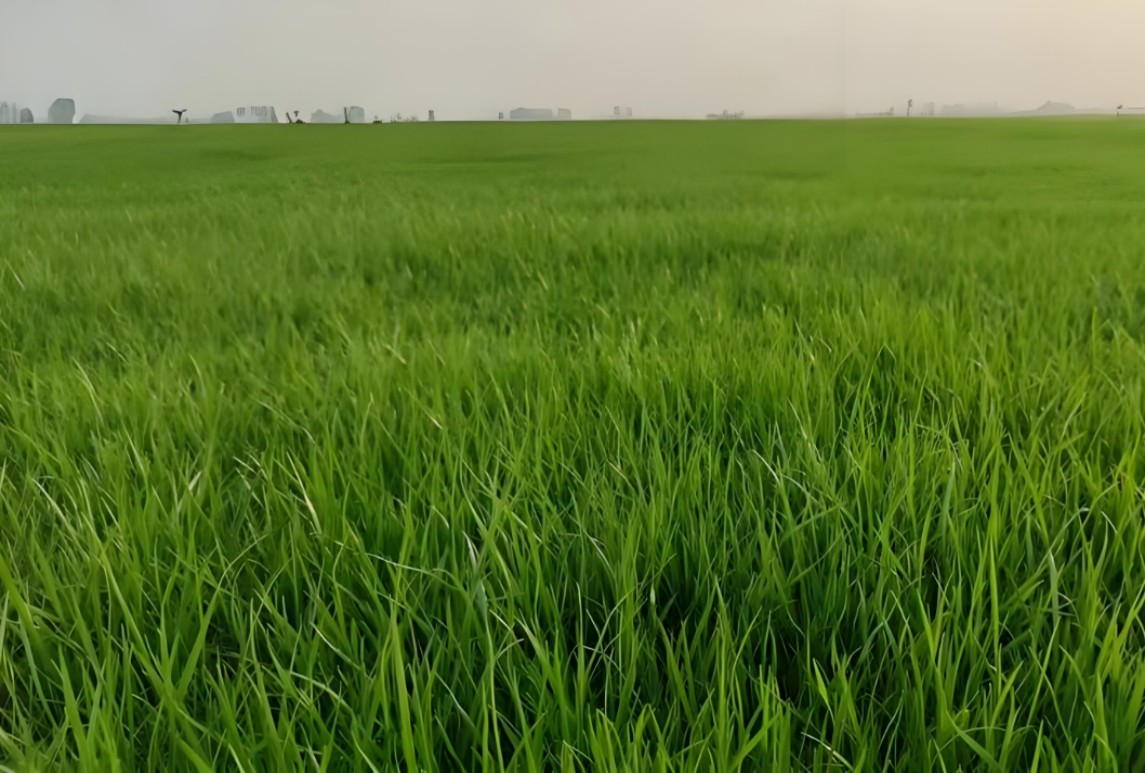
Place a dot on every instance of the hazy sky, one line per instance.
(472, 58)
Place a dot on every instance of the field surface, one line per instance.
(621, 446)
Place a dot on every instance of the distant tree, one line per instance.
(909, 105)
(726, 115)
(179, 115)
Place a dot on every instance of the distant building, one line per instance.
(227, 117)
(26, 116)
(531, 114)
(431, 115)
(355, 114)
(258, 114)
(976, 109)
(8, 113)
(321, 116)
(112, 120)
(564, 114)
(62, 111)
(885, 114)
(500, 116)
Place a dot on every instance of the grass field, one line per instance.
(621, 446)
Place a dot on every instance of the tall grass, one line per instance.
(769, 446)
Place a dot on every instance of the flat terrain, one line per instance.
(641, 446)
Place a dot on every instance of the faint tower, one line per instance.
(431, 115)
(616, 112)
(501, 116)
(909, 105)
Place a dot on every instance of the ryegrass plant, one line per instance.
(640, 446)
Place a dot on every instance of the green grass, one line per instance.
(633, 446)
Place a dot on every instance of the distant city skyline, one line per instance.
(666, 59)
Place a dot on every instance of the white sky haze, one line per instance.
(469, 59)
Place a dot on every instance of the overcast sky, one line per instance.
(468, 59)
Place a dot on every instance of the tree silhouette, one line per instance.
(179, 115)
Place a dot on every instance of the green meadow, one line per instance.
(582, 446)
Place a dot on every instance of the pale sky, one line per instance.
(469, 59)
